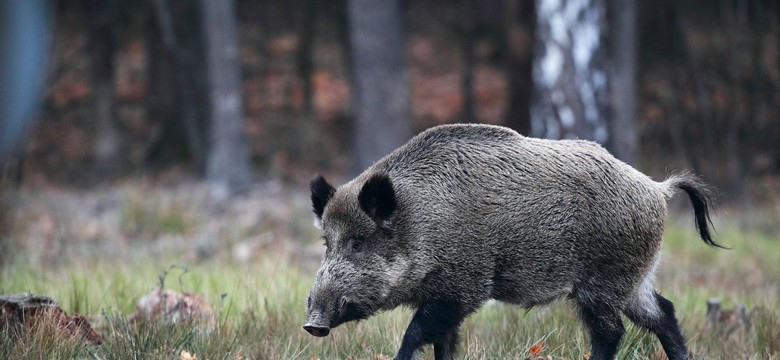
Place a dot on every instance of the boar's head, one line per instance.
(363, 261)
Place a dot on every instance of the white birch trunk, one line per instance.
(571, 90)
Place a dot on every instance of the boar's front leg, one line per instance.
(434, 322)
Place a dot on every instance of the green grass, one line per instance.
(143, 218)
(262, 313)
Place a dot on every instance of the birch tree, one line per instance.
(570, 97)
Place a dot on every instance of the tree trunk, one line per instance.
(25, 44)
(161, 102)
(741, 109)
(570, 97)
(519, 25)
(175, 79)
(707, 137)
(306, 18)
(101, 42)
(228, 157)
(467, 28)
(625, 137)
(381, 94)
(6, 251)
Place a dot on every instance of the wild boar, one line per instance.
(462, 214)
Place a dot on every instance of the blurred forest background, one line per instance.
(185, 132)
(281, 89)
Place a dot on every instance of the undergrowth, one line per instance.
(262, 313)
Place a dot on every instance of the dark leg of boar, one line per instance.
(664, 326)
(605, 327)
(437, 323)
(444, 348)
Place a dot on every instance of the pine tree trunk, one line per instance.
(520, 25)
(177, 87)
(228, 157)
(23, 61)
(381, 94)
(467, 29)
(171, 144)
(101, 43)
(625, 137)
(306, 18)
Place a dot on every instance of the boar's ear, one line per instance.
(321, 192)
(377, 198)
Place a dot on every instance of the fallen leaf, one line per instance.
(536, 349)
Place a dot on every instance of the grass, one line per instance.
(262, 313)
(140, 219)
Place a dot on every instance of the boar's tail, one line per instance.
(701, 196)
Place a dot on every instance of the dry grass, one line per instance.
(87, 253)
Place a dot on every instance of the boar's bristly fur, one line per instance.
(466, 213)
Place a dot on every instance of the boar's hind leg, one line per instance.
(659, 318)
(444, 347)
(435, 323)
(605, 327)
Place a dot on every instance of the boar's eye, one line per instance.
(357, 243)
(325, 241)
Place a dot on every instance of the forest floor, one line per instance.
(253, 258)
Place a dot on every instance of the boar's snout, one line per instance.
(316, 324)
(320, 321)
(316, 331)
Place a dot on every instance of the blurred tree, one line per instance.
(307, 10)
(24, 47)
(467, 37)
(743, 108)
(482, 41)
(228, 157)
(570, 98)
(177, 88)
(101, 17)
(381, 93)
(625, 137)
(520, 25)
(24, 30)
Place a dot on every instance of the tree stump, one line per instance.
(23, 312)
(726, 321)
